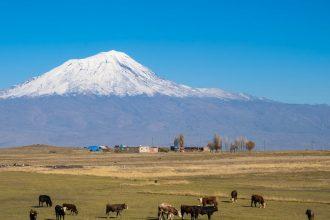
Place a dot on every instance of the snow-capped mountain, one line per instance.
(109, 73)
(111, 99)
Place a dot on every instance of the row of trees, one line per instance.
(217, 144)
(241, 144)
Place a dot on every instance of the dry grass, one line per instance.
(289, 181)
(147, 168)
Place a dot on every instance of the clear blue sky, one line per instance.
(275, 49)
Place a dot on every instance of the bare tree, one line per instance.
(217, 143)
(239, 144)
(233, 147)
(181, 143)
(250, 145)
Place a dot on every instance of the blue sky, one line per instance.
(275, 49)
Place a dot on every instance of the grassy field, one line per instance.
(290, 182)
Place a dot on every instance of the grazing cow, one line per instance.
(207, 210)
(195, 211)
(212, 200)
(45, 199)
(33, 214)
(234, 196)
(71, 207)
(310, 214)
(59, 212)
(258, 199)
(118, 208)
(168, 210)
(189, 210)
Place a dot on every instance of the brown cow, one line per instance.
(212, 200)
(118, 208)
(168, 210)
(234, 196)
(71, 207)
(310, 214)
(257, 199)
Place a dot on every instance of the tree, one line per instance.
(181, 143)
(250, 145)
(233, 148)
(239, 144)
(217, 142)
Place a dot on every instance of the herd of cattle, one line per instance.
(208, 205)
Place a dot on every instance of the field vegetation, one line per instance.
(290, 182)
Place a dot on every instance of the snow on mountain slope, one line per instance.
(105, 74)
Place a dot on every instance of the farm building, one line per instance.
(96, 148)
(142, 149)
(147, 149)
(120, 148)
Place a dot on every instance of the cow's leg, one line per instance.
(209, 216)
(160, 215)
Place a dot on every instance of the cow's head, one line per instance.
(125, 206)
(33, 212)
(200, 200)
(264, 205)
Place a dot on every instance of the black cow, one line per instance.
(234, 196)
(257, 199)
(71, 207)
(45, 199)
(33, 214)
(59, 212)
(196, 210)
(207, 210)
(118, 208)
(310, 214)
(187, 209)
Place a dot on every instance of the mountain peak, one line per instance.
(105, 74)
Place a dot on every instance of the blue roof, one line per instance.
(94, 148)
